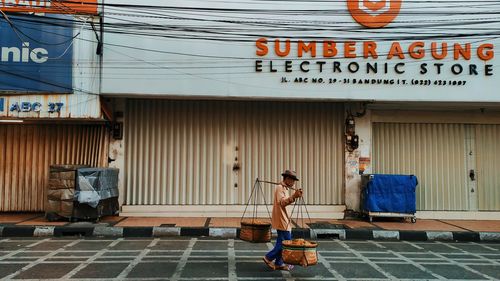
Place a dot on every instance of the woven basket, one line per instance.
(300, 252)
(255, 231)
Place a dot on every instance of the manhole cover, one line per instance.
(326, 225)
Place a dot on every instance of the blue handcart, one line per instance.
(385, 195)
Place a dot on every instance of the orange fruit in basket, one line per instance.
(255, 222)
(300, 243)
(297, 242)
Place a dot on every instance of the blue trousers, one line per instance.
(275, 253)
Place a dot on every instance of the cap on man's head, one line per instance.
(290, 174)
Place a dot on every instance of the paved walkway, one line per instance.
(37, 219)
(211, 259)
(35, 225)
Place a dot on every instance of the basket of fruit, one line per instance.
(252, 229)
(256, 231)
(300, 252)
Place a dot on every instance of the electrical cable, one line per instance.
(227, 34)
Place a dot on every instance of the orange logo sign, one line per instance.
(374, 13)
(88, 7)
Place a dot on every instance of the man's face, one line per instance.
(289, 181)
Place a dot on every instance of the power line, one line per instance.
(228, 32)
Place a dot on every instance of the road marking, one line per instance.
(476, 255)
(183, 261)
(485, 246)
(231, 257)
(136, 261)
(329, 267)
(378, 245)
(22, 249)
(465, 267)
(462, 265)
(368, 261)
(91, 259)
(413, 244)
(326, 258)
(42, 258)
(412, 262)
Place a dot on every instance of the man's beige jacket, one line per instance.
(280, 218)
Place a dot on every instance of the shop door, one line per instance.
(487, 139)
(456, 164)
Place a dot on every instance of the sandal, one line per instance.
(287, 267)
(269, 263)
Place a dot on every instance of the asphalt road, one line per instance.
(210, 259)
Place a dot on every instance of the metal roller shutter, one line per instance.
(435, 153)
(27, 151)
(488, 175)
(183, 152)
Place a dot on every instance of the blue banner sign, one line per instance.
(36, 54)
(2, 101)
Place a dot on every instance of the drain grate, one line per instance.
(73, 231)
(167, 225)
(327, 225)
(328, 236)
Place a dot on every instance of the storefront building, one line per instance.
(452, 152)
(222, 95)
(50, 109)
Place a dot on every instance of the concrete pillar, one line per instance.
(117, 148)
(358, 162)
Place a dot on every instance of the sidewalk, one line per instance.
(34, 224)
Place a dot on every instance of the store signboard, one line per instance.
(51, 106)
(36, 55)
(86, 7)
(392, 50)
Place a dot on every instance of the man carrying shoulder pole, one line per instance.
(281, 220)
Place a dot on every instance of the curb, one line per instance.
(220, 232)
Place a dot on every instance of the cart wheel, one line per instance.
(413, 220)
